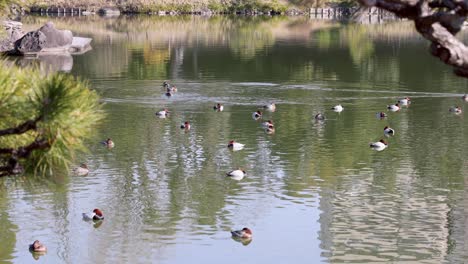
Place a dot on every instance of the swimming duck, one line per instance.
(257, 115)
(270, 129)
(37, 246)
(245, 233)
(236, 173)
(270, 107)
(455, 109)
(389, 131)
(379, 146)
(319, 117)
(163, 113)
(172, 89)
(404, 101)
(394, 108)
(82, 170)
(235, 146)
(168, 94)
(108, 143)
(166, 85)
(185, 125)
(381, 115)
(218, 107)
(95, 215)
(337, 108)
(267, 124)
(465, 97)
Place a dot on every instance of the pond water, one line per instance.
(313, 191)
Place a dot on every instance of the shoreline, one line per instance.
(113, 11)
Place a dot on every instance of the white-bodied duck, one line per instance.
(257, 115)
(163, 113)
(185, 125)
(95, 215)
(267, 124)
(235, 146)
(456, 109)
(338, 108)
(404, 101)
(270, 107)
(218, 107)
(379, 145)
(236, 174)
(394, 107)
(388, 131)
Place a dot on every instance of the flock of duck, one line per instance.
(244, 235)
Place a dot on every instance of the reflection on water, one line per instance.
(48, 63)
(313, 191)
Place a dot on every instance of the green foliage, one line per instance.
(68, 111)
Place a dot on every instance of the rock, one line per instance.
(47, 37)
(33, 41)
(6, 45)
(56, 38)
(14, 30)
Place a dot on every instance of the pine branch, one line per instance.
(25, 127)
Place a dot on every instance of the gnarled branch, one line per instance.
(13, 165)
(24, 127)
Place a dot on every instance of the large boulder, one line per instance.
(47, 37)
(56, 38)
(33, 41)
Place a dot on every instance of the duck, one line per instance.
(404, 101)
(166, 85)
(82, 170)
(37, 246)
(257, 115)
(163, 113)
(185, 125)
(270, 130)
(108, 143)
(218, 107)
(319, 117)
(95, 215)
(394, 107)
(168, 94)
(267, 124)
(270, 107)
(379, 145)
(381, 115)
(389, 131)
(456, 109)
(465, 97)
(236, 173)
(172, 89)
(337, 108)
(235, 146)
(245, 233)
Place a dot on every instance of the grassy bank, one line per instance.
(180, 6)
